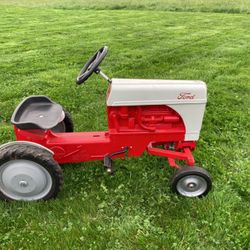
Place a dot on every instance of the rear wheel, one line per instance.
(64, 126)
(28, 173)
(191, 182)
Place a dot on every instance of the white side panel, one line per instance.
(192, 115)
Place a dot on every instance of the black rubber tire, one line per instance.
(66, 125)
(69, 125)
(37, 155)
(186, 171)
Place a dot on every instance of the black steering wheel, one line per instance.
(92, 65)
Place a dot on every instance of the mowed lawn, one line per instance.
(41, 52)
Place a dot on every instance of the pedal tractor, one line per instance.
(161, 117)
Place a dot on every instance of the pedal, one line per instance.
(108, 164)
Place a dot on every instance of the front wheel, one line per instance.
(191, 182)
(28, 173)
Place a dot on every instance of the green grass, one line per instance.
(230, 6)
(42, 50)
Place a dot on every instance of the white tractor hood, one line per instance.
(186, 97)
(133, 92)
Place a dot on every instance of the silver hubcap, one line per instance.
(192, 186)
(24, 180)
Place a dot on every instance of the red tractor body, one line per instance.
(137, 129)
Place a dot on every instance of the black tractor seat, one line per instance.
(37, 112)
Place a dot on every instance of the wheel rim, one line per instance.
(24, 180)
(192, 186)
